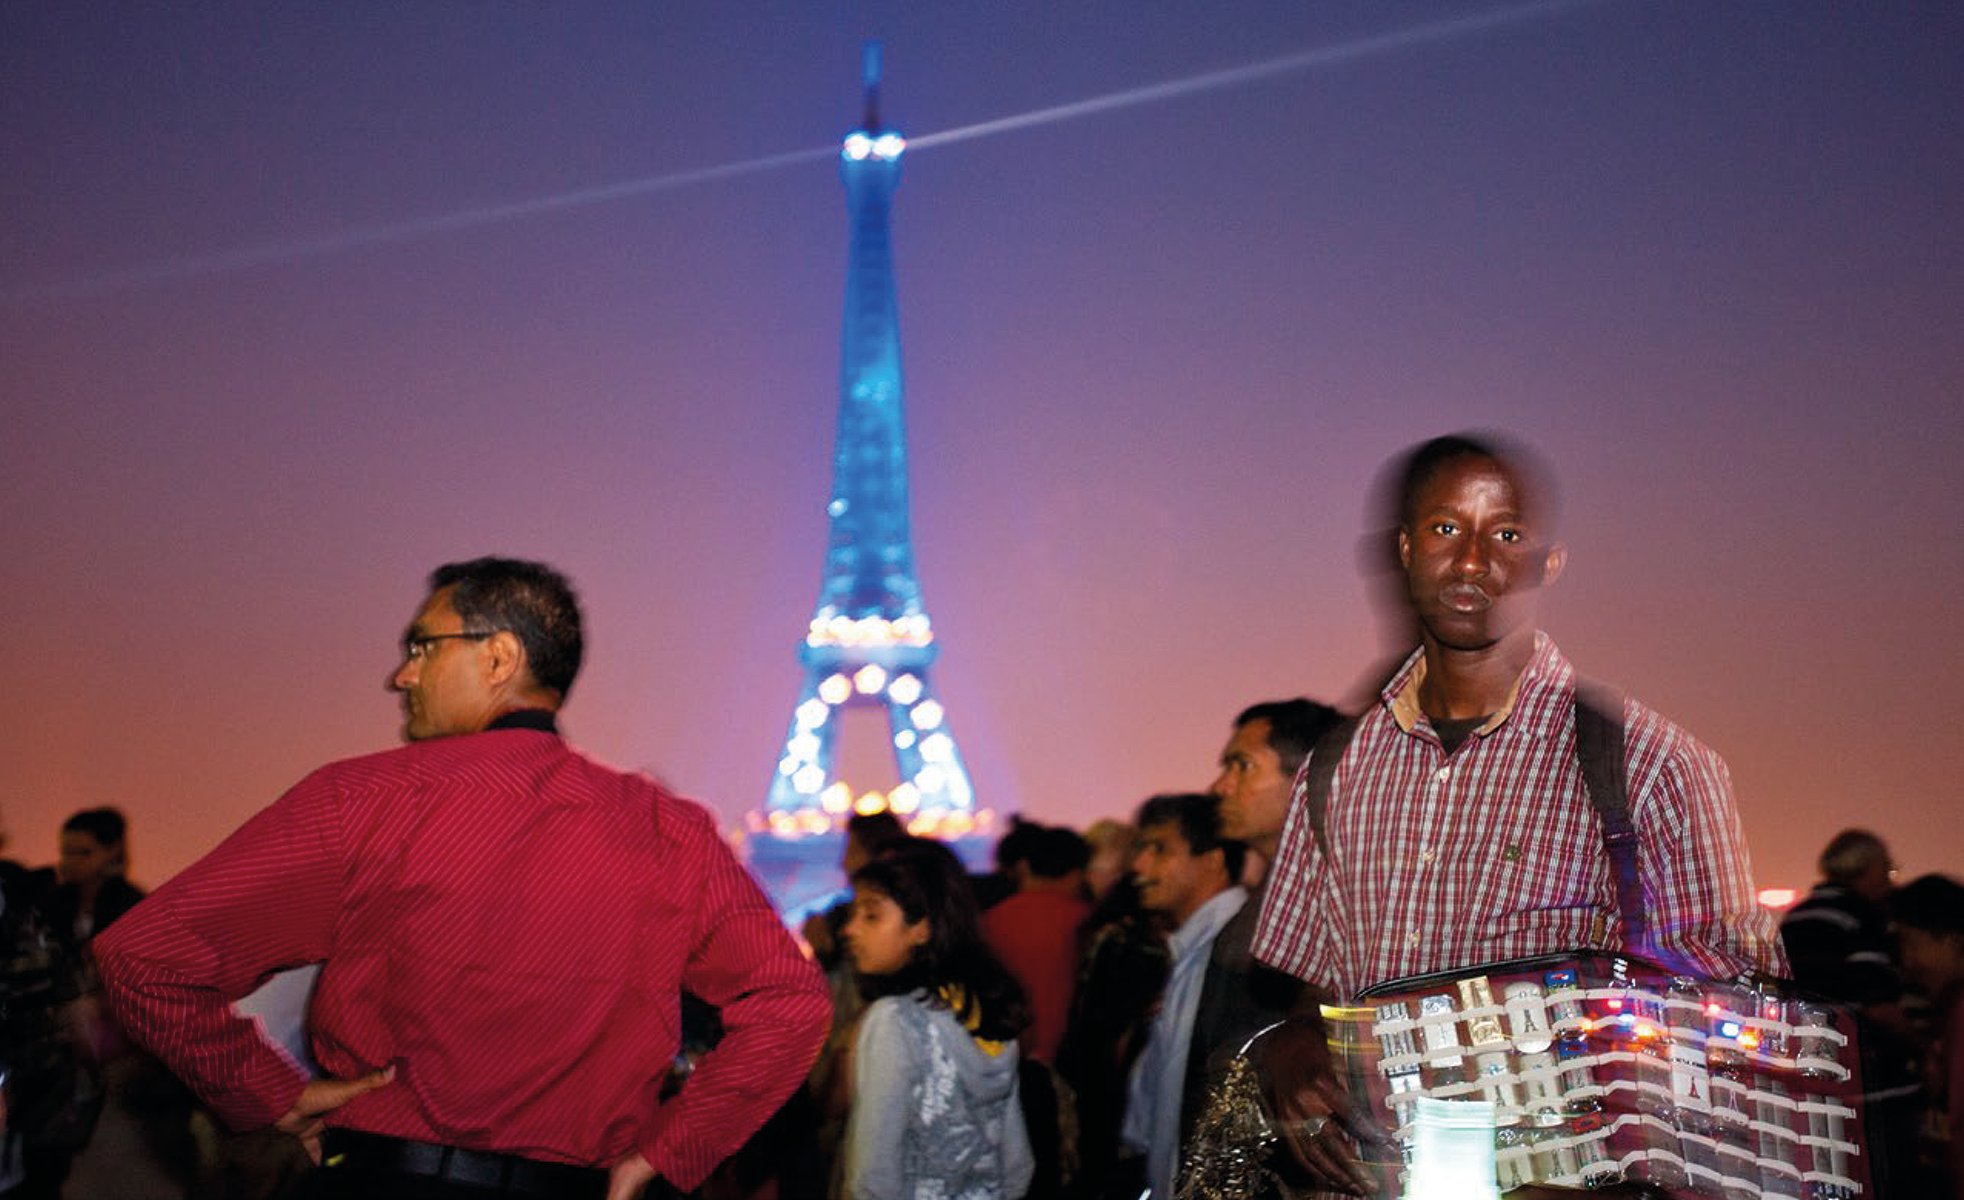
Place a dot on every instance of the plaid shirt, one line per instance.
(1438, 863)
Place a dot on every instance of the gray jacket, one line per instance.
(934, 1116)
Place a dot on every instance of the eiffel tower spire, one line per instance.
(870, 643)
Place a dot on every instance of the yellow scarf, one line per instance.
(956, 999)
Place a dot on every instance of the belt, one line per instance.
(351, 1149)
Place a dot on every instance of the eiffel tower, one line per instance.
(870, 644)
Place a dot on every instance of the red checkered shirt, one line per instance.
(509, 923)
(1441, 862)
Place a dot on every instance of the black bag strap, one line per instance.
(1323, 760)
(1599, 745)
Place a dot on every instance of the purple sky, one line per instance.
(1708, 256)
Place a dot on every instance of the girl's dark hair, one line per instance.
(927, 882)
(875, 831)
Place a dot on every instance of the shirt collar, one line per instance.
(1206, 921)
(1542, 693)
(539, 719)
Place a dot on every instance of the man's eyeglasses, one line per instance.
(415, 649)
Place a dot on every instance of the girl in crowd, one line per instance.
(935, 1111)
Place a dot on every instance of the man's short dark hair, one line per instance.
(1850, 853)
(1056, 851)
(1530, 471)
(1293, 727)
(1198, 816)
(875, 831)
(105, 825)
(1932, 903)
(532, 601)
(1016, 845)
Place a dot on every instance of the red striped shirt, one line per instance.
(1438, 863)
(510, 923)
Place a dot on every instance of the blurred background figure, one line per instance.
(1112, 844)
(36, 1056)
(1839, 944)
(1034, 932)
(1122, 966)
(1838, 936)
(1187, 874)
(94, 891)
(131, 1118)
(829, 1085)
(1929, 921)
(866, 835)
(1011, 849)
(1239, 996)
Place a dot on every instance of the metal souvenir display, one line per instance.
(1597, 1069)
(1718, 1091)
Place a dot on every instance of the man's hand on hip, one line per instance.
(306, 1119)
(628, 1177)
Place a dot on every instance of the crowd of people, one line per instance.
(63, 1055)
(540, 976)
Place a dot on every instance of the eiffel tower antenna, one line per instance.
(869, 73)
(870, 643)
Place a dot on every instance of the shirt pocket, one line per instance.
(1549, 886)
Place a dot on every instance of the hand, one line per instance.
(1311, 1106)
(628, 1177)
(321, 1097)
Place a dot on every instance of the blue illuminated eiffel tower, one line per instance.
(870, 643)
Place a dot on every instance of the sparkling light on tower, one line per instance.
(870, 643)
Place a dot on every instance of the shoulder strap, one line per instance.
(1599, 747)
(1323, 760)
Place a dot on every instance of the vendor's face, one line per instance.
(1476, 555)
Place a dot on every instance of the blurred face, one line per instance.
(443, 677)
(85, 862)
(1172, 878)
(1931, 961)
(1474, 558)
(878, 935)
(1253, 788)
(1106, 868)
(1876, 881)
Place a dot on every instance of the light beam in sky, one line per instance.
(271, 253)
(274, 253)
(1324, 56)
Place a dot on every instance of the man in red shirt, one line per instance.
(505, 929)
(1034, 932)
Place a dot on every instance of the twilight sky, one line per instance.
(286, 319)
